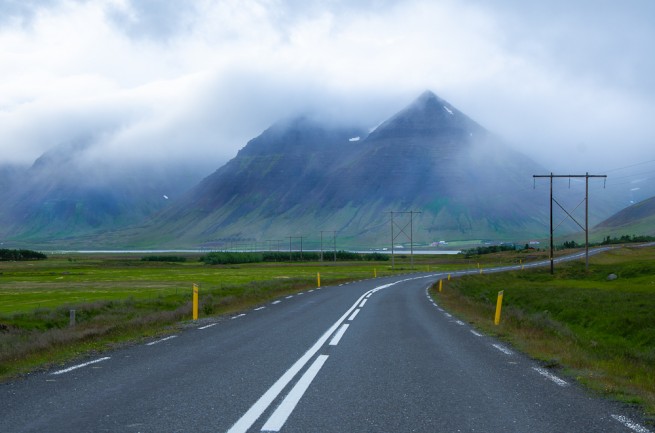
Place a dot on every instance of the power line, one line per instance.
(586, 176)
(629, 166)
(402, 231)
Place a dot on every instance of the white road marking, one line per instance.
(300, 293)
(337, 337)
(477, 334)
(208, 326)
(630, 424)
(550, 376)
(281, 414)
(289, 297)
(260, 308)
(75, 367)
(240, 315)
(354, 314)
(459, 322)
(503, 349)
(159, 341)
(363, 303)
(369, 295)
(257, 409)
(448, 315)
(310, 291)
(275, 302)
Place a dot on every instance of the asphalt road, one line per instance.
(370, 356)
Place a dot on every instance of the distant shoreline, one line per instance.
(208, 250)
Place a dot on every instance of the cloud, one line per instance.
(195, 80)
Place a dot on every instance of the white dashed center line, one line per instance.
(337, 337)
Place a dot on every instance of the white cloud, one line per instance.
(198, 79)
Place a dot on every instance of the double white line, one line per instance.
(280, 415)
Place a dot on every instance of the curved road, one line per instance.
(370, 356)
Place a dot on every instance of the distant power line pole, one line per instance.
(335, 243)
(586, 176)
(402, 232)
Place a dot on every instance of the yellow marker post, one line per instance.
(499, 306)
(448, 277)
(440, 285)
(480, 270)
(318, 279)
(195, 302)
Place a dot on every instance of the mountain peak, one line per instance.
(428, 115)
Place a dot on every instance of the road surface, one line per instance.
(371, 356)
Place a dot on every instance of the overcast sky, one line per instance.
(571, 83)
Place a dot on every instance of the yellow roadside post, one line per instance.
(375, 273)
(318, 279)
(448, 277)
(440, 285)
(499, 306)
(195, 302)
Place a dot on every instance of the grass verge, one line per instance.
(118, 299)
(599, 331)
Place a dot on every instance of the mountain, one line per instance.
(64, 196)
(638, 219)
(301, 177)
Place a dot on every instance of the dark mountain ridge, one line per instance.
(61, 196)
(301, 177)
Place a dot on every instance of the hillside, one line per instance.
(638, 219)
(62, 196)
(300, 177)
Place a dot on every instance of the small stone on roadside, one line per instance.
(612, 277)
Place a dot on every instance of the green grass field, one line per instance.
(58, 281)
(122, 298)
(600, 331)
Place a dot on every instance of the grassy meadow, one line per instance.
(120, 297)
(600, 331)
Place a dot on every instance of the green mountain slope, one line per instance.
(301, 177)
(638, 219)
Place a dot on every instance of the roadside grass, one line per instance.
(123, 298)
(598, 331)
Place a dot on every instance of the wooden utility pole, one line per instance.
(586, 176)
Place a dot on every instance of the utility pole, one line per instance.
(586, 176)
(402, 232)
(295, 237)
